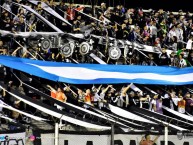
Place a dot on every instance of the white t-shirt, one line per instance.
(189, 44)
(153, 102)
(96, 97)
(183, 63)
(1, 108)
(181, 110)
(175, 100)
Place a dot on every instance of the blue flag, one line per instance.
(100, 74)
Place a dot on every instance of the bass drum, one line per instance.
(68, 49)
(45, 44)
(114, 53)
(84, 48)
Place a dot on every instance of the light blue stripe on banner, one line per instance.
(100, 74)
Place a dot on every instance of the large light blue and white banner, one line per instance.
(100, 74)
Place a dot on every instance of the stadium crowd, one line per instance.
(164, 30)
(161, 29)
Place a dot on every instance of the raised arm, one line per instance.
(106, 89)
(64, 97)
(156, 139)
(51, 89)
(127, 88)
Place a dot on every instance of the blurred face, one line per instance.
(174, 20)
(6, 14)
(21, 12)
(130, 20)
(79, 17)
(148, 137)
(180, 56)
(163, 50)
(59, 90)
(1, 43)
(39, 5)
(88, 91)
(123, 26)
(125, 21)
(79, 91)
(21, 19)
(191, 54)
(179, 26)
(112, 90)
(188, 95)
(132, 95)
(181, 17)
(155, 97)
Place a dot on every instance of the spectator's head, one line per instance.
(6, 14)
(155, 96)
(132, 94)
(178, 25)
(21, 19)
(39, 5)
(59, 90)
(163, 50)
(140, 13)
(1, 43)
(172, 54)
(103, 5)
(21, 11)
(180, 96)
(187, 95)
(173, 28)
(174, 21)
(80, 91)
(79, 17)
(191, 54)
(126, 21)
(94, 89)
(88, 91)
(147, 136)
(163, 21)
(180, 12)
(180, 57)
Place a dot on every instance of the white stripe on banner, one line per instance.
(89, 74)
(97, 58)
(95, 114)
(50, 11)
(59, 115)
(118, 118)
(178, 114)
(166, 123)
(28, 34)
(127, 114)
(7, 118)
(42, 18)
(21, 112)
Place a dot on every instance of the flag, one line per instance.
(99, 73)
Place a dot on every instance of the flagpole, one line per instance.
(112, 133)
(166, 135)
(56, 135)
(24, 48)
